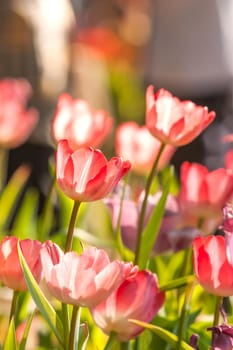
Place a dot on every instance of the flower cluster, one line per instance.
(137, 252)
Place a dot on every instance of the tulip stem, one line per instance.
(66, 324)
(144, 203)
(70, 233)
(186, 305)
(110, 341)
(14, 304)
(74, 328)
(3, 166)
(218, 304)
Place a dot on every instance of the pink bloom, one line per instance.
(85, 174)
(203, 193)
(211, 265)
(76, 122)
(229, 160)
(140, 147)
(137, 298)
(84, 280)
(173, 121)
(16, 122)
(10, 269)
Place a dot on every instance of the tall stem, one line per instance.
(14, 305)
(74, 328)
(70, 233)
(144, 203)
(4, 153)
(187, 298)
(110, 341)
(217, 310)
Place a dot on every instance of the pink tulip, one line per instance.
(85, 174)
(10, 269)
(140, 147)
(137, 298)
(76, 122)
(16, 122)
(173, 121)
(203, 193)
(211, 265)
(84, 280)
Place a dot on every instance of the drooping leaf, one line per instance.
(169, 337)
(40, 300)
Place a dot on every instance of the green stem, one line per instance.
(110, 342)
(66, 324)
(14, 305)
(70, 233)
(74, 328)
(3, 167)
(217, 310)
(186, 305)
(125, 346)
(144, 203)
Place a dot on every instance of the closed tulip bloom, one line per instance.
(84, 280)
(75, 121)
(137, 298)
(140, 147)
(10, 269)
(212, 268)
(16, 121)
(85, 174)
(173, 121)
(203, 194)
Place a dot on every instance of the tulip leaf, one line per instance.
(40, 300)
(177, 283)
(25, 223)
(10, 342)
(151, 231)
(11, 194)
(164, 334)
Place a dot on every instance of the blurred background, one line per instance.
(108, 51)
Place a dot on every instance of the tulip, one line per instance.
(137, 298)
(211, 265)
(84, 280)
(173, 121)
(85, 174)
(203, 194)
(16, 122)
(172, 235)
(75, 121)
(10, 269)
(140, 147)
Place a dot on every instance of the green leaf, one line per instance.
(169, 337)
(177, 283)
(151, 231)
(11, 194)
(10, 342)
(25, 221)
(40, 300)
